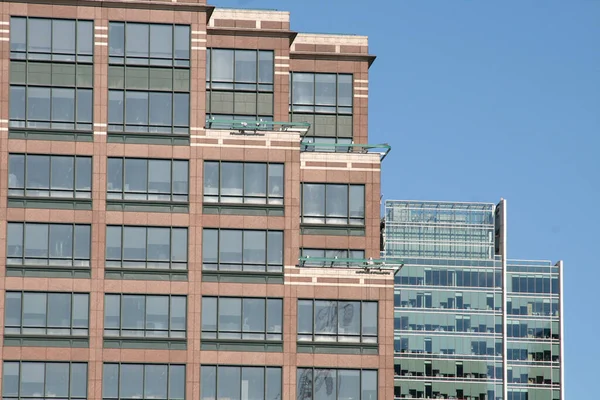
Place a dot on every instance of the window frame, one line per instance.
(172, 64)
(105, 379)
(234, 86)
(334, 337)
(86, 57)
(215, 372)
(121, 195)
(304, 370)
(313, 109)
(117, 59)
(172, 334)
(71, 379)
(244, 267)
(182, 266)
(76, 262)
(244, 199)
(75, 331)
(54, 59)
(245, 336)
(84, 194)
(322, 220)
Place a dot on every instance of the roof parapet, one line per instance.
(330, 39)
(249, 15)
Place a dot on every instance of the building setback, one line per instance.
(469, 322)
(174, 179)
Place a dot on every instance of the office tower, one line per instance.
(470, 323)
(165, 166)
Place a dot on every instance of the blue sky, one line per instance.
(488, 99)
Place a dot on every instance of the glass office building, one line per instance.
(469, 323)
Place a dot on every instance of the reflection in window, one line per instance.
(143, 381)
(240, 383)
(56, 176)
(141, 179)
(147, 316)
(330, 253)
(243, 183)
(242, 250)
(51, 74)
(246, 318)
(149, 78)
(48, 245)
(22, 380)
(148, 44)
(51, 39)
(324, 101)
(337, 321)
(157, 248)
(239, 83)
(333, 204)
(336, 384)
(52, 314)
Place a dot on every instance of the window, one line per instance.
(48, 245)
(336, 384)
(333, 204)
(129, 315)
(240, 383)
(23, 380)
(51, 73)
(330, 253)
(242, 250)
(143, 381)
(324, 101)
(239, 84)
(141, 179)
(337, 321)
(245, 318)
(55, 176)
(243, 183)
(149, 78)
(156, 248)
(52, 314)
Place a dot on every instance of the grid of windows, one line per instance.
(143, 381)
(151, 316)
(58, 245)
(142, 179)
(243, 183)
(246, 318)
(51, 73)
(337, 321)
(330, 253)
(156, 248)
(333, 204)
(240, 383)
(56, 176)
(336, 384)
(40, 313)
(149, 78)
(24, 380)
(239, 84)
(324, 101)
(242, 250)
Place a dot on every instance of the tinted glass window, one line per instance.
(251, 383)
(248, 250)
(143, 381)
(144, 316)
(241, 318)
(146, 247)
